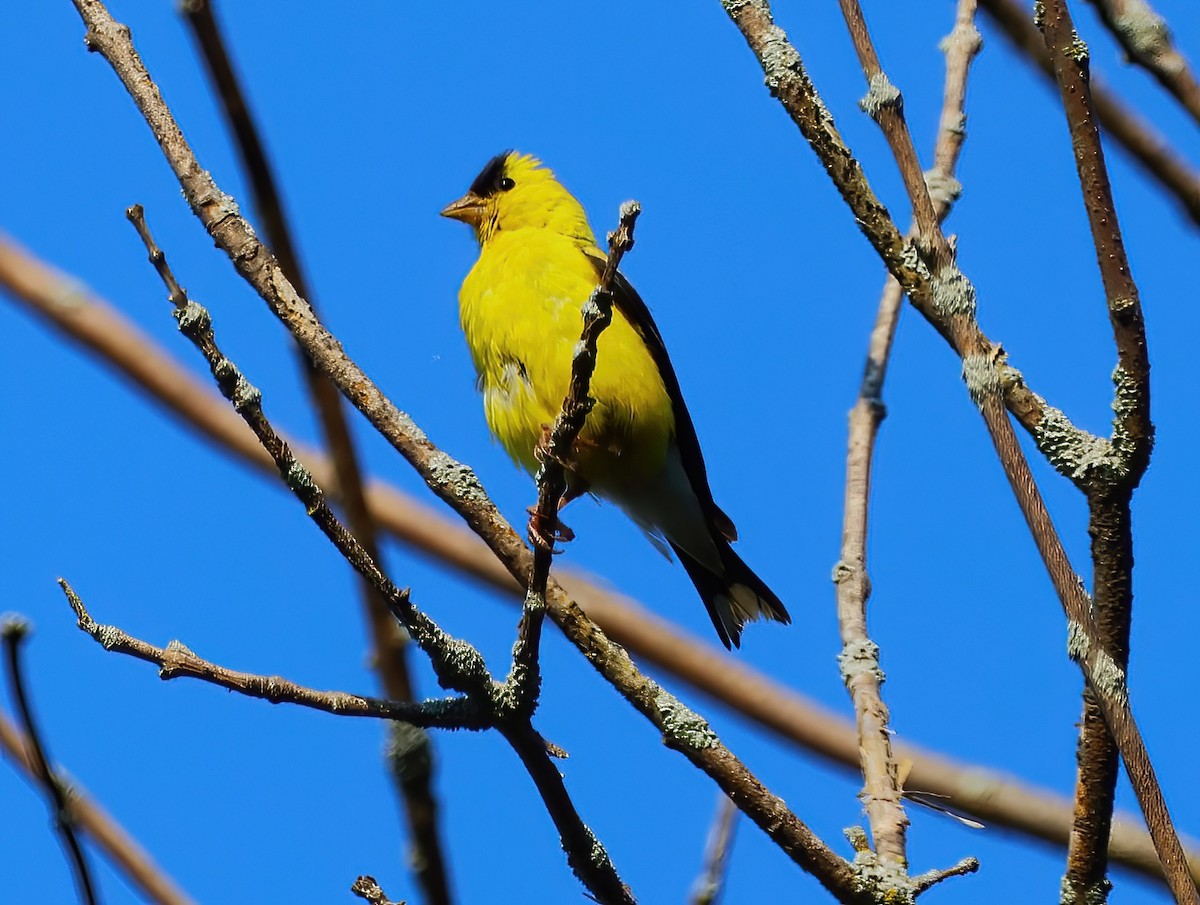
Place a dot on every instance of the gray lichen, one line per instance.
(858, 658)
(953, 294)
(980, 376)
(1074, 453)
(448, 473)
(683, 725)
(881, 94)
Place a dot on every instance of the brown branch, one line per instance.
(1110, 491)
(947, 299)
(860, 663)
(122, 851)
(1139, 139)
(1147, 40)
(389, 656)
(13, 632)
(711, 882)
(69, 306)
(457, 665)
(452, 481)
(176, 661)
(555, 455)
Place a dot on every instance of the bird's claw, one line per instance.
(545, 535)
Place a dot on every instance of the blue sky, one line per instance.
(765, 293)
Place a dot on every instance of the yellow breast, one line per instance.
(520, 310)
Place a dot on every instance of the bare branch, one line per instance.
(13, 631)
(176, 661)
(457, 664)
(931, 878)
(1109, 490)
(556, 453)
(860, 664)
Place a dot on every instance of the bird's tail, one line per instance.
(733, 596)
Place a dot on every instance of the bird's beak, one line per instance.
(469, 209)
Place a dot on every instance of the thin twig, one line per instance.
(947, 299)
(1140, 139)
(120, 849)
(14, 630)
(555, 453)
(711, 882)
(69, 306)
(860, 663)
(389, 655)
(1146, 38)
(176, 661)
(682, 729)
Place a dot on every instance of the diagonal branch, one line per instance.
(457, 665)
(178, 661)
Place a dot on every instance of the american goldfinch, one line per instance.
(520, 308)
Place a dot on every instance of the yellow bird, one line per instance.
(520, 308)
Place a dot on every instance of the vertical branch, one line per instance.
(557, 452)
(410, 752)
(860, 663)
(1111, 489)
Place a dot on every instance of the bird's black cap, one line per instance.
(488, 181)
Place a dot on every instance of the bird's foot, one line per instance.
(544, 534)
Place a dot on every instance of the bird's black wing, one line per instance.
(630, 304)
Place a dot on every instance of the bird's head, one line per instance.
(514, 191)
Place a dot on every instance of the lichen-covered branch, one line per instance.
(859, 661)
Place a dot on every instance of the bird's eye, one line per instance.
(506, 183)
